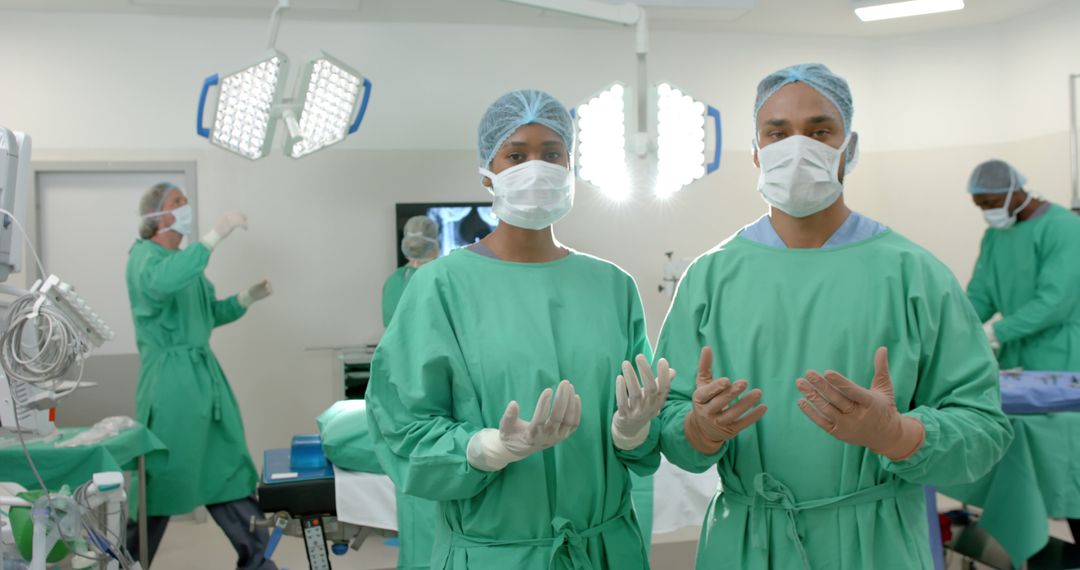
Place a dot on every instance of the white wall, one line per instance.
(106, 87)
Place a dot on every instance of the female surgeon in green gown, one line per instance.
(516, 323)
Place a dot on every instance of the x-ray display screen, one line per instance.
(460, 224)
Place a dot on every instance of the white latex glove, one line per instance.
(225, 226)
(638, 403)
(256, 292)
(859, 416)
(493, 449)
(988, 328)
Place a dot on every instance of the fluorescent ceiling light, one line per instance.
(870, 11)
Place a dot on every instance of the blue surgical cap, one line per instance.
(517, 109)
(995, 177)
(831, 86)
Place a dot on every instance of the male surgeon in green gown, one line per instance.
(183, 396)
(870, 375)
(1029, 271)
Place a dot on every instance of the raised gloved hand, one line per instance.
(859, 416)
(493, 449)
(719, 414)
(256, 292)
(988, 328)
(225, 226)
(638, 403)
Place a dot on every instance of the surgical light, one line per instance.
(330, 105)
(873, 10)
(602, 142)
(680, 140)
(327, 106)
(242, 121)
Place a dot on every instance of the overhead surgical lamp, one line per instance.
(330, 104)
(638, 136)
(601, 143)
(874, 10)
(680, 139)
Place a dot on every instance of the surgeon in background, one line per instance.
(504, 388)
(839, 366)
(183, 396)
(420, 245)
(1028, 271)
(415, 516)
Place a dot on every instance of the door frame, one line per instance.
(38, 168)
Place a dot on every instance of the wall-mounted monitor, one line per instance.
(460, 223)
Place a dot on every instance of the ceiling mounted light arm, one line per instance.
(275, 23)
(628, 14)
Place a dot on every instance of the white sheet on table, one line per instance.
(365, 499)
(680, 498)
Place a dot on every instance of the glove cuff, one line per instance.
(912, 435)
(246, 300)
(697, 438)
(211, 239)
(628, 441)
(487, 452)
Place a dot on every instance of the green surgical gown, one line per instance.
(794, 496)
(1030, 273)
(473, 333)
(415, 516)
(183, 396)
(392, 290)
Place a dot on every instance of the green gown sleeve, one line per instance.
(164, 275)
(643, 460)
(391, 294)
(225, 310)
(978, 289)
(1056, 293)
(418, 373)
(957, 397)
(681, 340)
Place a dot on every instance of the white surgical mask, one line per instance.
(532, 195)
(182, 219)
(799, 175)
(1001, 218)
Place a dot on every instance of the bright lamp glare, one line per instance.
(242, 122)
(680, 140)
(602, 143)
(331, 97)
(886, 11)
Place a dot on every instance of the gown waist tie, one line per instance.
(771, 494)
